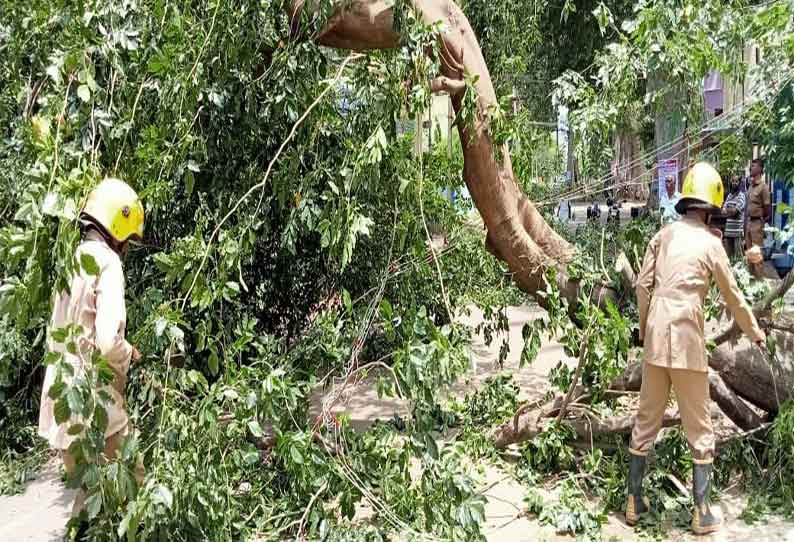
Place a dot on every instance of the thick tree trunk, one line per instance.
(742, 373)
(732, 405)
(517, 233)
(756, 377)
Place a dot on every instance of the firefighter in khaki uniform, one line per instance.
(678, 267)
(759, 209)
(112, 216)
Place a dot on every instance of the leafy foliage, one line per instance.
(267, 273)
(260, 271)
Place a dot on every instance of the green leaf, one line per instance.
(54, 71)
(51, 358)
(603, 16)
(129, 447)
(432, 447)
(93, 505)
(129, 524)
(213, 363)
(100, 418)
(159, 326)
(190, 181)
(105, 374)
(346, 301)
(75, 429)
(75, 399)
(296, 455)
(59, 335)
(62, 410)
(162, 495)
(84, 93)
(386, 311)
(56, 389)
(89, 265)
(251, 457)
(532, 342)
(567, 9)
(256, 429)
(126, 483)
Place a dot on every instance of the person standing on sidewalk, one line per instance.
(759, 209)
(733, 210)
(679, 265)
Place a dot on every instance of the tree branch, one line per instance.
(759, 309)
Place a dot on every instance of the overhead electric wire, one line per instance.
(644, 156)
(584, 190)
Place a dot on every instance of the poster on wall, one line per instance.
(666, 168)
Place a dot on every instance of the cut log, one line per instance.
(732, 405)
(531, 424)
(630, 380)
(744, 373)
(753, 375)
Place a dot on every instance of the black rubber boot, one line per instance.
(636, 504)
(77, 529)
(704, 521)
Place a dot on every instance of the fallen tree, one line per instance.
(748, 385)
(516, 231)
(519, 235)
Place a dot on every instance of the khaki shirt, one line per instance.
(97, 304)
(758, 199)
(671, 287)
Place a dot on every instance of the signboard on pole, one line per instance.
(667, 168)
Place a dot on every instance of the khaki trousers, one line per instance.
(692, 393)
(756, 238)
(112, 445)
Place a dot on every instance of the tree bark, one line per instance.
(516, 231)
(742, 373)
(531, 424)
(730, 403)
(755, 377)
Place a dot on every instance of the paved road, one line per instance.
(40, 513)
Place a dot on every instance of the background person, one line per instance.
(669, 214)
(733, 210)
(759, 209)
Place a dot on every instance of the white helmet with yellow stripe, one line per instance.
(116, 207)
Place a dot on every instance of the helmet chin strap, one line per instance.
(701, 214)
(90, 225)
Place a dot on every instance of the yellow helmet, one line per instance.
(702, 185)
(116, 207)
